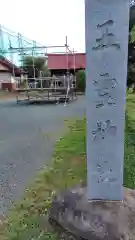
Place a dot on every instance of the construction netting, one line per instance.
(13, 46)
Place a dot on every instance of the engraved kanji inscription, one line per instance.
(107, 38)
(107, 100)
(105, 173)
(105, 87)
(102, 166)
(106, 179)
(103, 130)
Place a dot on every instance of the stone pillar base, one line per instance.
(82, 219)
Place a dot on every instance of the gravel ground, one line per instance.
(27, 137)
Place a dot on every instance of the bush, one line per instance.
(80, 81)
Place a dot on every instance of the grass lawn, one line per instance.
(27, 220)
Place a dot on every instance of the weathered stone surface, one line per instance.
(94, 220)
(107, 30)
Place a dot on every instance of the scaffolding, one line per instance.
(15, 47)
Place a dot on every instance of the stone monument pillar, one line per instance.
(107, 29)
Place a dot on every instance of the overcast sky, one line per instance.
(47, 21)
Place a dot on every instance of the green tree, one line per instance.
(80, 81)
(35, 66)
(131, 48)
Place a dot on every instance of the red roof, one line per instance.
(59, 61)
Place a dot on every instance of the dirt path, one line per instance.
(7, 95)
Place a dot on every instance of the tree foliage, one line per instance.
(131, 48)
(132, 2)
(35, 66)
(80, 81)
